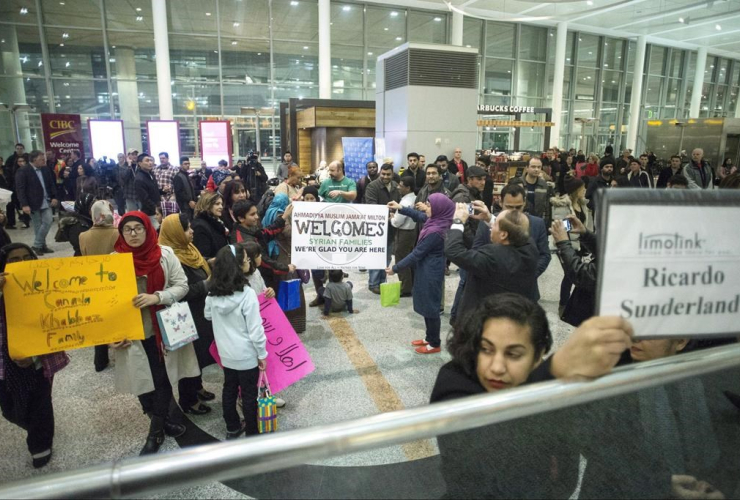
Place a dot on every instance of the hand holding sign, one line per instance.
(593, 349)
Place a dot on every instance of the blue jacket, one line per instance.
(428, 260)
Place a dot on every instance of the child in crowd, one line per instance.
(240, 338)
(337, 295)
(254, 278)
(256, 282)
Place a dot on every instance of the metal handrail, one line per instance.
(135, 477)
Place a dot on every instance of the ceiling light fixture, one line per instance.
(394, 14)
(294, 3)
(208, 14)
(236, 25)
(138, 9)
(24, 11)
(65, 35)
(589, 2)
(437, 19)
(139, 18)
(346, 8)
(718, 27)
(398, 38)
(234, 42)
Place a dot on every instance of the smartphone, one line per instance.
(471, 209)
(568, 226)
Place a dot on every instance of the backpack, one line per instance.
(265, 202)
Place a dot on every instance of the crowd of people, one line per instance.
(217, 238)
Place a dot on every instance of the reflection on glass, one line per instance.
(499, 39)
(427, 28)
(498, 76)
(76, 53)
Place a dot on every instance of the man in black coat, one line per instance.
(184, 194)
(147, 190)
(508, 265)
(36, 194)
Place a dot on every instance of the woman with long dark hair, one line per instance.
(233, 193)
(142, 367)
(26, 384)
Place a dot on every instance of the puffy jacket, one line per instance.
(693, 173)
(237, 328)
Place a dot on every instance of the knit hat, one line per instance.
(572, 184)
(485, 159)
(474, 171)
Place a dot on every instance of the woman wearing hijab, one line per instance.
(177, 234)
(428, 261)
(25, 384)
(279, 248)
(142, 366)
(100, 240)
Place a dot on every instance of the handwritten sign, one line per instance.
(339, 236)
(61, 304)
(287, 358)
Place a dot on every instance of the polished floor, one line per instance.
(364, 366)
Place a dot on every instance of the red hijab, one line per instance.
(146, 261)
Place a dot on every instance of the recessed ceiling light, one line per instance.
(438, 19)
(138, 9)
(293, 3)
(61, 3)
(394, 14)
(385, 29)
(305, 47)
(24, 11)
(61, 45)
(233, 42)
(369, 53)
(398, 38)
(346, 8)
(65, 35)
(208, 14)
(681, 20)
(718, 27)
(139, 18)
(236, 25)
(259, 53)
(589, 2)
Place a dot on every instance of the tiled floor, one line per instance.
(95, 425)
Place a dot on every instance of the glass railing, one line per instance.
(668, 428)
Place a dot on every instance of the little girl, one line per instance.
(240, 338)
(256, 282)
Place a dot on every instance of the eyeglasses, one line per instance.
(20, 259)
(134, 230)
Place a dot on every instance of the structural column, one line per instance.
(325, 49)
(162, 55)
(557, 83)
(636, 99)
(701, 65)
(128, 96)
(457, 28)
(13, 91)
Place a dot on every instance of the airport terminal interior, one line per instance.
(549, 105)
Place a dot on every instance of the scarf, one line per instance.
(443, 211)
(311, 190)
(83, 204)
(146, 262)
(102, 216)
(279, 203)
(172, 235)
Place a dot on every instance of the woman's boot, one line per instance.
(156, 436)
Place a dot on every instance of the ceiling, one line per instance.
(714, 24)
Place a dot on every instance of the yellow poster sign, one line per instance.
(61, 304)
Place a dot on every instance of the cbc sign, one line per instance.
(505, 109)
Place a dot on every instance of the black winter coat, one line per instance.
(209, 235)
(196, 299)
(531, 457)
(147, 191)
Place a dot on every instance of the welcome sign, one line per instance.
(62, 133)
(669, 261)
(339, 236)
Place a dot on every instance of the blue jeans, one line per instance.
(458, 295)
(377, 276)
(41, 221)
